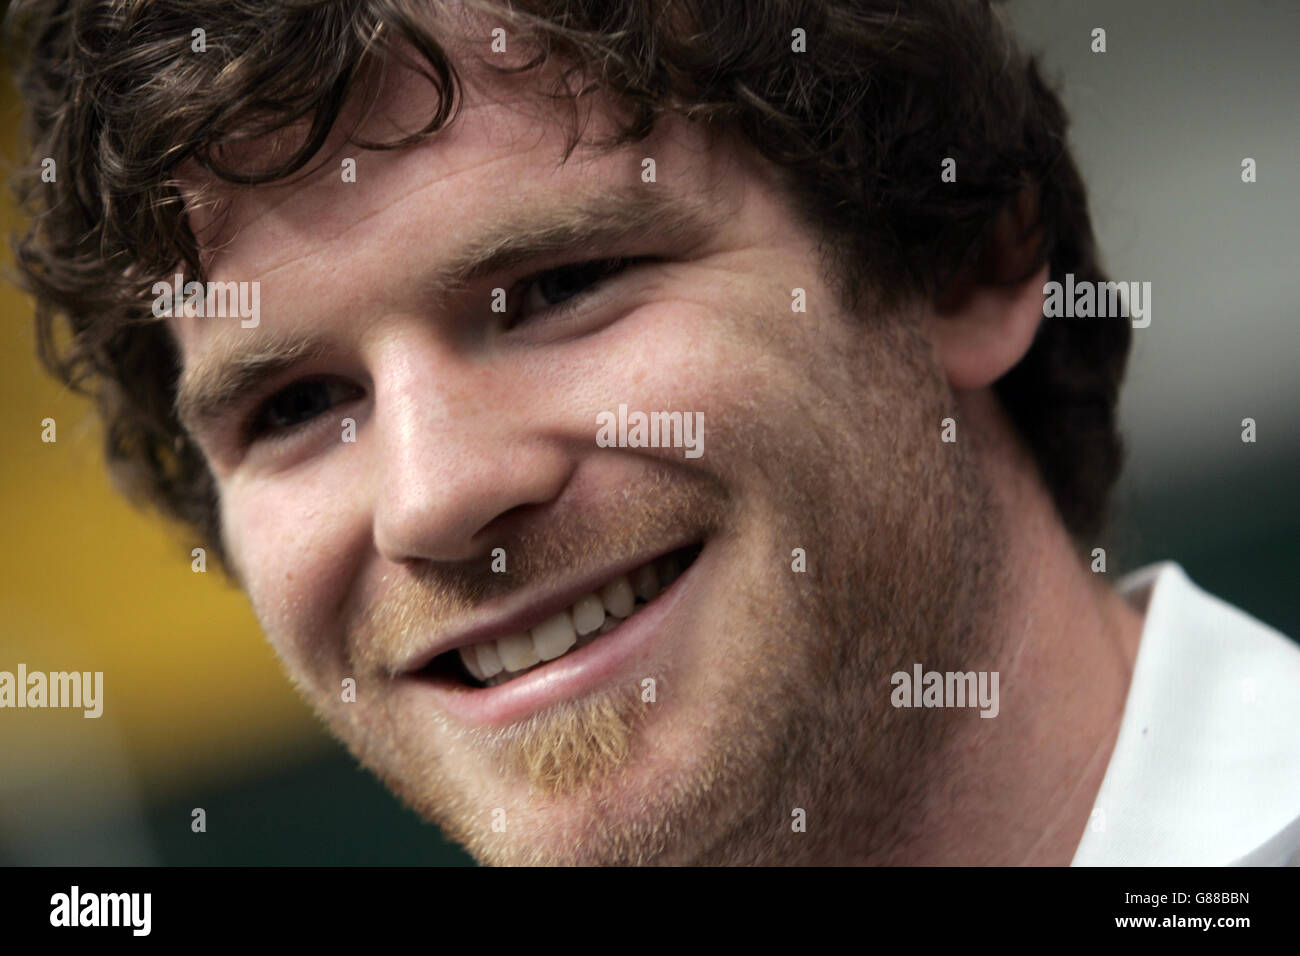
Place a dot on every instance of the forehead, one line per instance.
(502, 155)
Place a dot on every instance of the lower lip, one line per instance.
(568, 675)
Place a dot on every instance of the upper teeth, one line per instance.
(591, 616)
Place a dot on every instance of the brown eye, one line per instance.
(553, 288)
(298, 404)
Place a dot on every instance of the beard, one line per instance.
(781, 747)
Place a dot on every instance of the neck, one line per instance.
(1018, 789)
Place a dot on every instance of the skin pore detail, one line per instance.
(771, 686)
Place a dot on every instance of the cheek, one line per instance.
(800, 409)
(289, 537)
(758, 378)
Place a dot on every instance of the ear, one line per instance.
(987, 318)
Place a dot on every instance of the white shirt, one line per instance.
(1206, 767)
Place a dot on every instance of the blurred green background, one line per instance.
(199, 713)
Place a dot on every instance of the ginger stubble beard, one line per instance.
(903, 547)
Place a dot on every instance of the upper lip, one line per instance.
(525, 612)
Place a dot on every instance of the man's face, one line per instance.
(411, 442)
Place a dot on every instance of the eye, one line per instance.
(299, 403)
(550, 290)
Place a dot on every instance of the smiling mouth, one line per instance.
(591, 617)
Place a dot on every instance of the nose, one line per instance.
(458, 447)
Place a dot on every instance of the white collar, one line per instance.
(1206, 766)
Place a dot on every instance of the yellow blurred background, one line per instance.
(192, 692)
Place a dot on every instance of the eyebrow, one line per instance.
(219, 380)
(587, 222)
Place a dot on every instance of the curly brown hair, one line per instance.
(857, 126)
